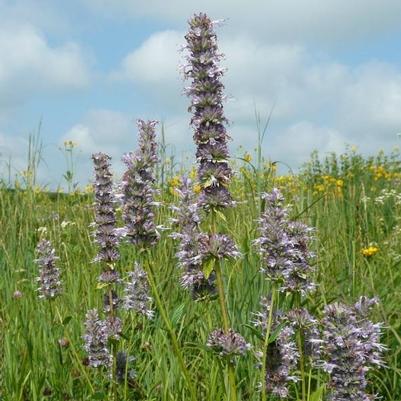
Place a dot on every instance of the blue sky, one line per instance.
(90, 68)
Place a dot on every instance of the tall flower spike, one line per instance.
(138, 188)
(283, 246)
(190, 254)
(208, 121)
(351, 347)
(105, 218)
(137, 293)
(49, 276)
(96, 337)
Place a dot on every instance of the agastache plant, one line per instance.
(99, 332)
(190, 256)
(137, 291)
(96, 340)
(214, 173)
(105, 218)
(279, 359)
(138, 188)
(49, 276)
(286, 262)
(283, 247)
(208, 121)
(351, 347)
(138, 193)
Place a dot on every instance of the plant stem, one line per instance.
(300, 344)
(226, 327)
(266, 343)
(224, 313)
(222, 300)
(302, 364)
(113, 347)
(173, 337)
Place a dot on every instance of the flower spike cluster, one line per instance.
(49, 278)
(105, 219)
(351, 347)
(96, 338)
(208, 121)
(282, 354)
(283, 246)
(138, 188)
(137, 296)
(190, 258)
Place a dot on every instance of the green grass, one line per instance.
(35, 367)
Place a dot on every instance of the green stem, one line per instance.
(113, 388)
(173, 337)
(222, 300)
(226, 327)
(266, 344)
(300, 344)
(224, 313)
(302, 364)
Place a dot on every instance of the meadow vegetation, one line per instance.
(203, 314)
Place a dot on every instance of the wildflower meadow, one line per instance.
(224, 280)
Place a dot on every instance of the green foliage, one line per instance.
(354, 202)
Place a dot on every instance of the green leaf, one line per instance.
(317, 395)
(274, 334)
(254, 331)
(208, 267)
(100, 286)
(67, 320)
(177, 314)
(208, 183)
(221, 215)
(99, 395)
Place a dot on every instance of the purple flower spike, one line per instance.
(191, 250)
(49, 277)
(283, 246)
(208, 121)
(105, 220)
(138, 188)
(96, 337)
(351, 347)
(137, 296)
(282, 354)
(228, 344)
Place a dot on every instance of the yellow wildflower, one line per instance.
(193, 173)
(369, 251)
(175, 182)
(319, 188)
(69, 145)
(197, 188)
(247, 157)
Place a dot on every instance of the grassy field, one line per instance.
(355, 205)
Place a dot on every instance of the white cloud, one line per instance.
(43, 14)
(106, 131)
(317, 103)
(295, 142)
(102, 130)
(12, 155)
(161, 49)
(29, 65)
(154, 67)
(284, 20)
